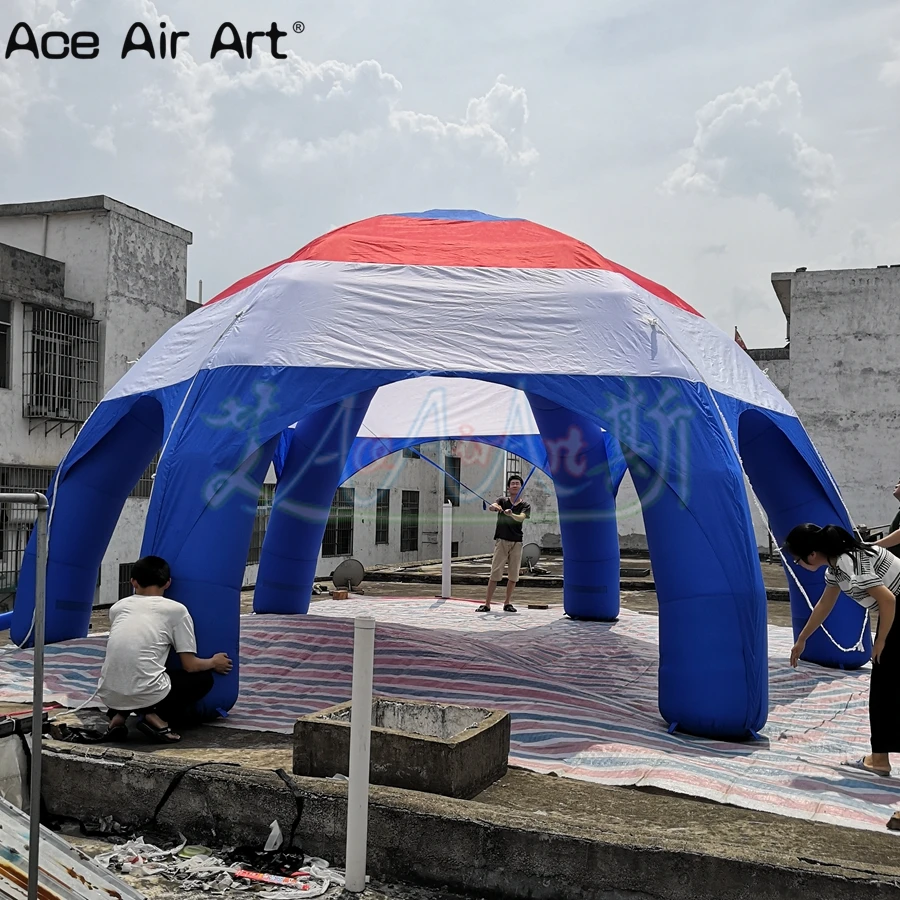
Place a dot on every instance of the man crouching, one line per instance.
(143, 630)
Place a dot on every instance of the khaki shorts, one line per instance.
(509, 554)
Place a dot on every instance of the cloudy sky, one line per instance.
(698, 144)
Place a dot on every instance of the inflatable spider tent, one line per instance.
(597, 350)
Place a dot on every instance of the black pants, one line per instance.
(178, 707)
(884, 696)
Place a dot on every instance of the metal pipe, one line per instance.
(37, 706)
(360, 738)
(447, 548)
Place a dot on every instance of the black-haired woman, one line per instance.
(870, 576)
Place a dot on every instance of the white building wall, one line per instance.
(845, 368)
(133, 268)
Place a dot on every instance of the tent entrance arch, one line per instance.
(313, 458)
(458, 294)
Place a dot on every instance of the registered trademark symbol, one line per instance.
(299, 27)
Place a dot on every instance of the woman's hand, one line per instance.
(877, 650)
(796, 652)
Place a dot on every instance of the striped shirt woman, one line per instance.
(869, 575)
(856, 573)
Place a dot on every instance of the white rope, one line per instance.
(654, 323)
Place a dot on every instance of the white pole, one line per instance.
(446, 556)
(360, 737)
(37, 708)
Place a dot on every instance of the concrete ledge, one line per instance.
(95, 203)
(11, 291)
(471, 846)
(529, 581)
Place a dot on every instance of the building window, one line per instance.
(61, 365)
(17, 520)
(382, 516)
(513, 466)
(5, 342)
(145, 485)
(409, 521)
(454, 549)
(338, 539)
(125, 588)
(452, 469)
(261, 522)
(412, 452)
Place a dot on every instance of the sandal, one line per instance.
(117, 734)
(860, 765)
(483, 608)
(160, 735)
(508, 607)
(893, 822)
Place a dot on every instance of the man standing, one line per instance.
(512, 512)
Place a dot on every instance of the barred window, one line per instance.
(17, 519)
(261, 522)
(412, 452)
(125, 588)
(513, 465)
(452, 470)
(5, 342)
(409, 521)
(61, 365)
(143, 488)
(338, 539)
(382, 516)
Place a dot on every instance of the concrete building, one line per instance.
(86, 285)
(840, 371)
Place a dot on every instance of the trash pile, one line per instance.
(270, 873)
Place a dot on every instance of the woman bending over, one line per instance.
(871, 576)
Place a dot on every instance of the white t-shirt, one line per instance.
(855, 573)
(142, 632)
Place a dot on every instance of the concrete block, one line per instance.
(454, 751)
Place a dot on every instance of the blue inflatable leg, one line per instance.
(585, 494)
(712, 604)
(85, 510)
(312, 469)
(208, 560)
(791, 494)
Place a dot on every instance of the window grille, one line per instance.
(145, 485)
(125, 588)
(61, 356)
(338, 540)
(17, 519)
(409, 521)
(5, 342)
(452, 469)
(382, 516)
(513, 466)
(261, 522)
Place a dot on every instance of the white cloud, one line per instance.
(747, 145)
(227, 132)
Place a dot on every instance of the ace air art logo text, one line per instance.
(141, 41)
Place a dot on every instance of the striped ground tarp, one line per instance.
(582, 698)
